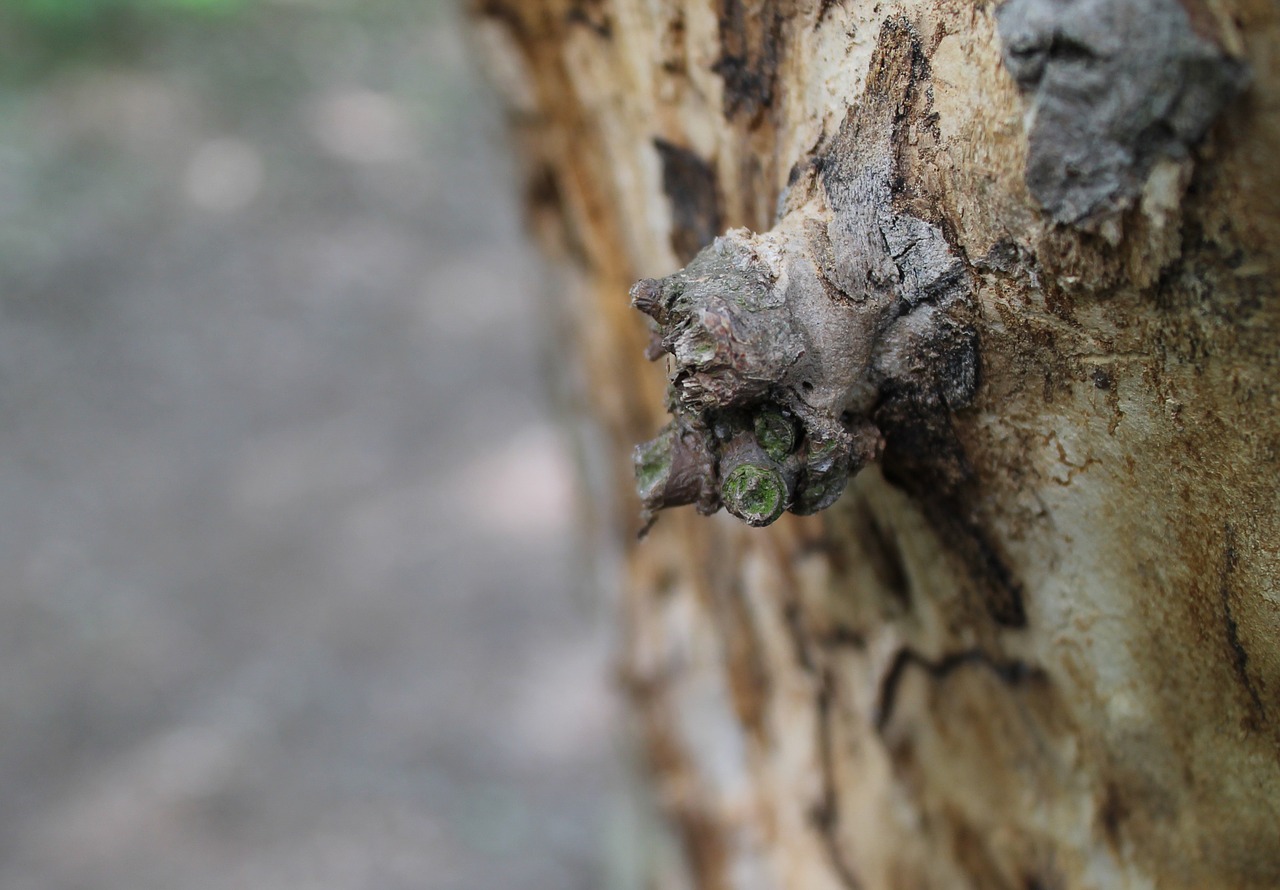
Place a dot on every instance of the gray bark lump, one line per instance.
(1115, 85)
(805, 328)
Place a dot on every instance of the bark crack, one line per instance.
(1012, 672)
(1239, 655)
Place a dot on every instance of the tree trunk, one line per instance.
(1034, 644)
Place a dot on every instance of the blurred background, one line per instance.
(288, 594)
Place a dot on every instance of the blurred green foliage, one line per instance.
(36, 35)
(57, 13)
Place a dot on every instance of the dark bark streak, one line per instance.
(824, 8)
(1239, 656)
(883, 554)
(1004, 599)
(924, 458)
(690, 185)
(750, 47)
(844, 637)
(1012, 672)
(592, 14)
(1113, 814)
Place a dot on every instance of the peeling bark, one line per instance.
(1033, 643)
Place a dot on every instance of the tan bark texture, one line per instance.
(1035, 645)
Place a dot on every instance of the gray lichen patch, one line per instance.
(1116, 85)
(782, 345)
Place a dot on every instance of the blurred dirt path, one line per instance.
(267, 340)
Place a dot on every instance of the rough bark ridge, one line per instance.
(1035, 645)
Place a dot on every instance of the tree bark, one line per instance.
(1034, 645)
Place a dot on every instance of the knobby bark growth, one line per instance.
(1034, 644)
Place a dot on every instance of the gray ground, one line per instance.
(287, 591)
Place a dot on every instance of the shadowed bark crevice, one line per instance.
(1012, 672)
(1239, 656)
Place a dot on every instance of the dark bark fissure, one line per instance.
(1239, 655)
(593, 15)
(924, 458)
(1012, 672)
(750, 49)
(689, 182)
